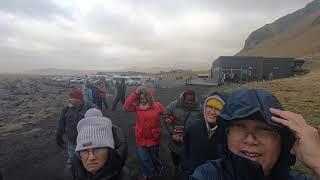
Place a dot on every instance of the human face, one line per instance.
(74, 102)
(94, 159)
(189, 101)
(211, 114)
(255, 140)
(143, 100)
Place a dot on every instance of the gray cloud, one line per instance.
(33, 8)
(119, 34)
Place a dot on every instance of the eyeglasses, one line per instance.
(98, 152)
(239, 130)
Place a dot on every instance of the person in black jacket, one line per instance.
(101, 149)
(121, 93)
(70, 116)
(259, 137)
(201, 139)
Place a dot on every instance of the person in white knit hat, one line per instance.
(97, 157)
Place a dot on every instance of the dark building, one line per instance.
(250, 68)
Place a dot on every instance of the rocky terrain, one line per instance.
(29, 113)
(30, 108)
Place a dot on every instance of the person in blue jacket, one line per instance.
(258, 138)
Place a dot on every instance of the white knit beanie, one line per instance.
(94, 131)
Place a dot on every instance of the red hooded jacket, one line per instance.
(148, 128)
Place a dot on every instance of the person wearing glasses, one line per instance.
(259, 137)
(201, 138)
(100, 155)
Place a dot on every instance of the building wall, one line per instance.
(252, 68)
(280, 68)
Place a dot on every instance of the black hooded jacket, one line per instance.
(249, 104)
(198, 146)
(113, 170)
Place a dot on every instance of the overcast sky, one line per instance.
(117, 34)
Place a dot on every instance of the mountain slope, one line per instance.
(297, 35)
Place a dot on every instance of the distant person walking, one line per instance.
(103, 93)
(71, 114)
(179, 115)
(271, 76)
(97, 99)
(87, 93)
(121, 93)
(147, 129)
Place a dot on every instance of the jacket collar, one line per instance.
(111, 169)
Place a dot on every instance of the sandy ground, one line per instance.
(29, 114)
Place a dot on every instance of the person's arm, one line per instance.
(129, 104)
(121, 144)
(90, 95)
(169, 112)
(62, 122)
(61, 127)
(160, 108)
(307, 143)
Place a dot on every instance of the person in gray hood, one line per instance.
(202, 137)
(258, 138)
(179, 115)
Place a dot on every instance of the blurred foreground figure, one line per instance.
(258, 138)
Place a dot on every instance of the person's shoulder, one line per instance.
(124, 174)
(209, 170)
(89, 105)
(172, 104)
(65, 108)
(196, 124)
(158, 103)
(294, 175)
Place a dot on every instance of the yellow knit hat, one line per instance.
(216, 103)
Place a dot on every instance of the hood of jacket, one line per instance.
(222, 95)
(244, 103)
(93, 112)
(180, 102)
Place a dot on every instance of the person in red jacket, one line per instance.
(147, 129)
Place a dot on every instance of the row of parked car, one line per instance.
(110, 79)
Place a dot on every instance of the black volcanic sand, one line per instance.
(29, 114)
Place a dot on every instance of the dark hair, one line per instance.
(147, 96)
(189, 92)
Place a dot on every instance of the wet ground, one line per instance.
(29, 114)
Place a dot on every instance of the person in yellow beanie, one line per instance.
(201, 141)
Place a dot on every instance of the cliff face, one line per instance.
(297, 35)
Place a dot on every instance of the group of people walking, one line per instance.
(97, 93)
(242, 135)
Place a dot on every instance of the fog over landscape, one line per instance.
(120, 35)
